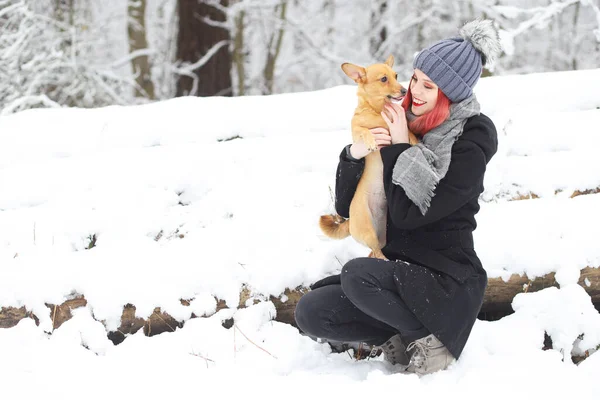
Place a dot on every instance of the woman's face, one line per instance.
(424, 93)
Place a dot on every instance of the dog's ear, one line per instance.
(390, 61)
(357, 73)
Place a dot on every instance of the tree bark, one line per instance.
(273, 50)
(136, 29)
(238, 52)
(574, 41)
(197, 35)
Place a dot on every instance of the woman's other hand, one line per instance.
(395, 118)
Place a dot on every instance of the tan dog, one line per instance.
(377, 85)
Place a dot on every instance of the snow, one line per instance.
(179, 211)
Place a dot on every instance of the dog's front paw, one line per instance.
(371, 143)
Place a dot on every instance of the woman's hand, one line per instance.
(359, 150)
(396, 122)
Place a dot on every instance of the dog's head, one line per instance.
(378, 81)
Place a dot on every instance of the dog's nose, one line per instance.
(403, 91)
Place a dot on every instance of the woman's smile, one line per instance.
(418, 103)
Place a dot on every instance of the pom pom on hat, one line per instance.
(483, 37)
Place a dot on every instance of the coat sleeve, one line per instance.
(462, 182)
(346, 180)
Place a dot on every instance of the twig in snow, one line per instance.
(202, 357)
(338, 260)
(236, 327)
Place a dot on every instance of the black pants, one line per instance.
(365, 307)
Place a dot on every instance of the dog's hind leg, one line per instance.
(378, 254)
(362, 230)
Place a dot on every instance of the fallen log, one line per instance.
(498, 297)
(11, 316)
(531, 195)
(499, 294)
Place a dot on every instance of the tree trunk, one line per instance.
(238, 52)
(136, 29)
(273, 50)
(380, 35)
(201, 26)
(64, 11)
(574, 40)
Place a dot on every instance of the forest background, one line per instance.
(89, 53)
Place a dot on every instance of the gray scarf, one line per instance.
(419, 168)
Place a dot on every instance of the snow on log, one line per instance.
(498, 296)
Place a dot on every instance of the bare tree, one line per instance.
(161, 33)
(203, 31)
(239, 56)
(64, 11)
(378, 24)
(138, 46)
(274, 47)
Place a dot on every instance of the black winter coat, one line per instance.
(444, 283)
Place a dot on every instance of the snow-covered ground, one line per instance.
(180, 212)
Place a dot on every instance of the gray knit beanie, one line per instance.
(455, 64)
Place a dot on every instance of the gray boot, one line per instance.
(394, 351)
(430, 355)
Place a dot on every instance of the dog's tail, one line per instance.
(335, 226)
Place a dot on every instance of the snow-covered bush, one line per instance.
(44, 62)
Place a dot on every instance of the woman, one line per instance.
(420, 305)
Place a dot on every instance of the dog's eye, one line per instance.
(384, 79)
(396, 77)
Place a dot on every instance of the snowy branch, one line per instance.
(301, 34)
(8, 9)
(47, 63)
(211, 52)
(407, 23)
(28, 102)
(541, 15)
(191, 75)
(212, 22)
(134, 54)
(216, 4)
